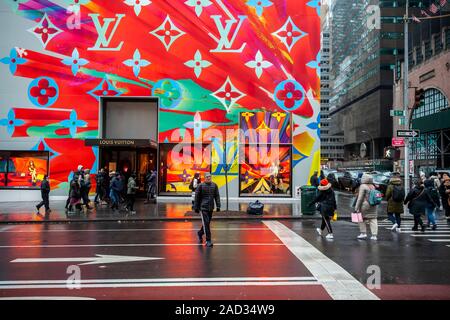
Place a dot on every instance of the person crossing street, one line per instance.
(45, 192)
(205, 195)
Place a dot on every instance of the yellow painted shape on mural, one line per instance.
(278, 115)
(263, 126)
(247, 115)
(304, 143)
(315, 165)
(220, 180)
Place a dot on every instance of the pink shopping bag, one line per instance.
(357, 217)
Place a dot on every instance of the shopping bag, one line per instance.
(335, 216)
(357, 217)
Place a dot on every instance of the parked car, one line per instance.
(333, 178)
(349, 180)
(326, 172)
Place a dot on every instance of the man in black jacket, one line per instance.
(205, 195)
(45, 191)
(314, 180)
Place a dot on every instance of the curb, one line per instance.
(221, 218)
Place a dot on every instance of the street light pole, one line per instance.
(405, 95)
(373, 148)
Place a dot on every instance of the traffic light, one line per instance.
(391, 153)
(419, 96)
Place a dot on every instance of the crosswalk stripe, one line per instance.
(430, 235)
(439, 240)
(339, 283)
(426, 232)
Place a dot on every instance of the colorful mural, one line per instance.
(207, 60)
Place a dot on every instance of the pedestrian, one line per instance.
(366, 203)
(314, 180)
(322, 176)
(99, 188)
(430, 210)
(45, 192)
(395, 195)
(151, 181)
(68, 196)
(85, 188)
(75, 194)
(205, 195)
(106, 184)
(195, 182)
(131, 193)
(418, 199)
(116, 188)
(327, 206)
(436, 181)
(444, 191)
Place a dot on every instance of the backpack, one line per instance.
(375, 197)
(256, 208)
(434, 195)
(398, 194)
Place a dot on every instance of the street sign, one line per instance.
(408, 133)
(397, 113)
(398, 142)
(401, 121)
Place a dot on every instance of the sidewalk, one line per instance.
(172, 209)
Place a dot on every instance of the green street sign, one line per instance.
(397, 113)
(401, 121)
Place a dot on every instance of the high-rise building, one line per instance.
(429, 71)
(367, 38)
(332, 146)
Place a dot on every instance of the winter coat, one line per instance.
(45, 187)
(314, 181)
(393, 206)
(75, 191)
(430, 184)
(327, 200)
(100, 178)
(418, 199)
(87, 182)
(444, 195)
(131, 187)
(362, 202)
(116, 184)
(152, 179)
(205, 196)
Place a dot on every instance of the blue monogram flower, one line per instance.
(13, 60)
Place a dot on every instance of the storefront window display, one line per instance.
(266, 144)
(23, 169)
(266, 172)
(178, 165)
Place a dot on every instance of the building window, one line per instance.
(23, 169)
(447, 39)
(411, 61)
(425, 146)
(419, 55)
(433, 102)
(428, 50)
(437, 43)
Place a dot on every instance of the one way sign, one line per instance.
(408, 133)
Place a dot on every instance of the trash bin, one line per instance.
(308, 195)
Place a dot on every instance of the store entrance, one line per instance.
(130, 160)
